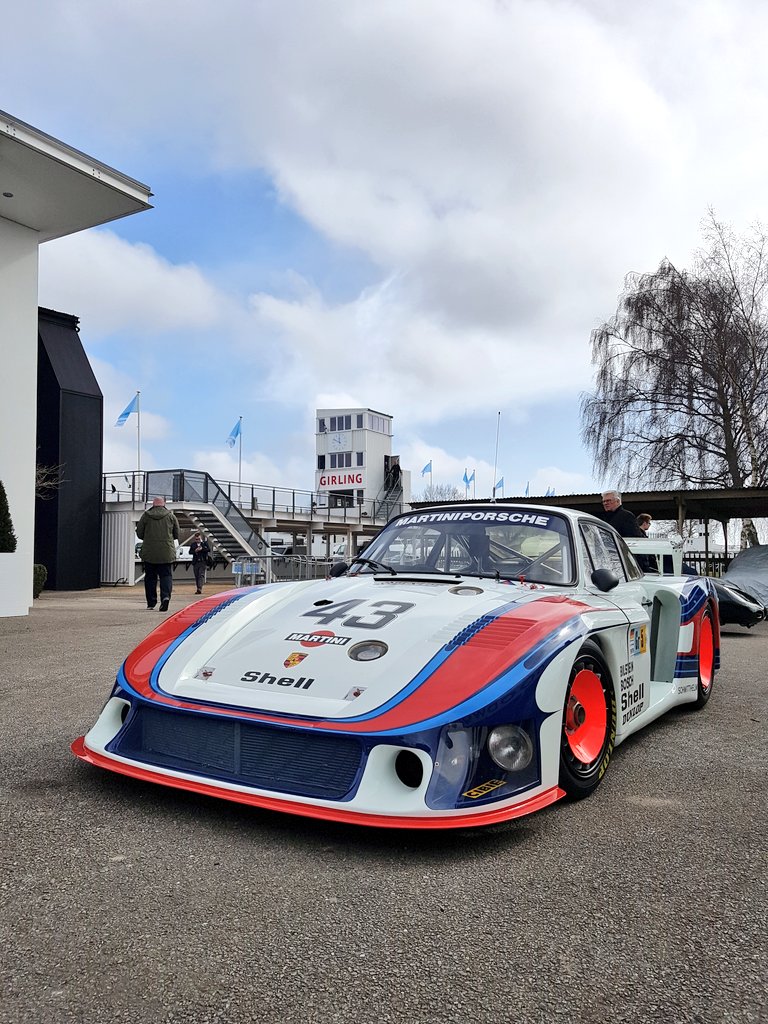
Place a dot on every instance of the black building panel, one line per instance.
(69, 435)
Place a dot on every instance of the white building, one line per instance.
(355, 464)
(47, 190)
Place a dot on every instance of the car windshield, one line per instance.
(501, 543)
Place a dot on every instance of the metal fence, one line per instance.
(251, 499)
(712, 564)
(279, 568)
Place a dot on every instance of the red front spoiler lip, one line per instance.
(487, 817)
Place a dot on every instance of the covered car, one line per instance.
(749, 573)
(479, 662)
(736, 607)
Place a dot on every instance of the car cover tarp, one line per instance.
(749, 572)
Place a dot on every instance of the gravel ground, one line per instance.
(128, 902)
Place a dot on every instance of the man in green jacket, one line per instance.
(158, 528)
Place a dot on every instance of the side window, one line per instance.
(603, 549)
(633, 569)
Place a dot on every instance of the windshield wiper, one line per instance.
(482, 575)
(374, 564)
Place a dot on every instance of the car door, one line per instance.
(602, 549)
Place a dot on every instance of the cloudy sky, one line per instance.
(419, 206)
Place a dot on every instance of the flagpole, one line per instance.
(496, 455)
(240, 465)
(138, 433)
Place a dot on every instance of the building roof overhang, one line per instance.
(56, 190)
(718, 504)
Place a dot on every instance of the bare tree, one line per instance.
(440, 492)
(681, 386)
(48, 479)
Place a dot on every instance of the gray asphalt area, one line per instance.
(129, 902)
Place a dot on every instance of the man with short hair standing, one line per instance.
(620, 518)
(157, 529)
(644, 521)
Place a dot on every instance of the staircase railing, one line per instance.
(389, 497)
(182, 485)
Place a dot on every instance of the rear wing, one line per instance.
(669, 557)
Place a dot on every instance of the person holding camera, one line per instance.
(201, 553)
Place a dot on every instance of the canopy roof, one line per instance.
(721, 504)
(57, 190)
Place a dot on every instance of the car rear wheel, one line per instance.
(589, 723)
(706, 658)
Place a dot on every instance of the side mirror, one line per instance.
(605, 579)
(338, 569)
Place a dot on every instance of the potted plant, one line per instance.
(7, 536)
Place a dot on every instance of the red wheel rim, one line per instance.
(586, 716)
(706, 653)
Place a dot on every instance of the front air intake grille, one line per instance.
(286, 760)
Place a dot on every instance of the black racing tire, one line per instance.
(588, 732)
(705, 659)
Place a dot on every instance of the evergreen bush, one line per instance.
(40, 575)
(7, 536)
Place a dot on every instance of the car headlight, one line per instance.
(510, 747)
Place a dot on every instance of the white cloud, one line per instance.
(223, 466)
(124, 286)
(501, 164)
(561, 481)
(403, 362)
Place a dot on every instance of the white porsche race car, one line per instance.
(479, 662)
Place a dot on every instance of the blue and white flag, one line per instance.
(427, 468)
(471, 478)
(131, 407)
(526, 488)
(234, 434)
(466, 479)
(500, 485)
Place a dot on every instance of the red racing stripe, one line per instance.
(484, 657)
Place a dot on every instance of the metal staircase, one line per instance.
(218, 535)
(209, 509)
(387, 500)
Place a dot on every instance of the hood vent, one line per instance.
(492, 633)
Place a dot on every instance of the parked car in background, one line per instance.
(736, 607)
(749, 572)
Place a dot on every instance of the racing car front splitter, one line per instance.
(487, 817)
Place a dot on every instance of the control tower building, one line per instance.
(355, 464)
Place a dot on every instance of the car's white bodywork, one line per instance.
(412, 661)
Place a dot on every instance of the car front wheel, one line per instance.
(589, 723)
